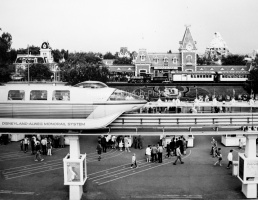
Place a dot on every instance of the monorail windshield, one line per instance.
(119, 95)
(88, 84)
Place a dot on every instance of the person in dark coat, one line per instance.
(181, 145)
(173, 146)
(135, 142)
(140, 143)
(104, 144)
(99, 150)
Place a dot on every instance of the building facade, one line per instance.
(216, 49)
(165, 64)
(45, 57)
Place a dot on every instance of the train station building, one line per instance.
(167, 63)
(185, 60)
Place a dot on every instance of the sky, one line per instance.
(106, 25)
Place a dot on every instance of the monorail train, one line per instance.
(42, 106)
(193, 76)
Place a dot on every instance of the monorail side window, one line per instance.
(61, 95)
(16, 95)
(38, 95)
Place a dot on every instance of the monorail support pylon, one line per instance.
(250, 163)
(75, 191)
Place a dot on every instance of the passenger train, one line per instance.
(200, 76)
(42, 106)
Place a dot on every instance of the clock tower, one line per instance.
(187, 50)
(46, 52)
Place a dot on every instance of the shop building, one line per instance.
(45, 57)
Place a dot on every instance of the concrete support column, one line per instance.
(75, 190)
(250, 148)
(250, 189)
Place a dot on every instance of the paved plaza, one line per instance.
(112, 178)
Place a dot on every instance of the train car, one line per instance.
(39, 106)
(194, 76)
(233, 76)
(200, 76)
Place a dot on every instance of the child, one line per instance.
(219, 155)
(134, 161)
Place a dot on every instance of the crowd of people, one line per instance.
(41, 145)
(196, 104)
(176, 147)
(123, 143)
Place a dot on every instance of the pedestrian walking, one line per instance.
(219, 155)
(49, 148)
(126, 142)
(230, 158)
(99, 150)
(168, 150)
(135, 142)
(140, 142)
(178, 154)
(113, 139)
(32, 143)
(212, 145)
(121, 145)
(173, 146)
(21, 144)
(154, 152)
(26, 144)
(38, 153)
(61, 141)
(134, 163)
(148, 153)
(104, 144)
(160, 151)
(44, 146)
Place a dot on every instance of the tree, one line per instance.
(123, 61)
(57, 55)
(81, 67)
(200, 60)
(109, 55)
(33, 50)
(38, 72)
(5, 46)
(6, 56)
(233, 59)
(254, 80)
(65, 53)
(5, 73)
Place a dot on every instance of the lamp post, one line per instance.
(28, 66)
